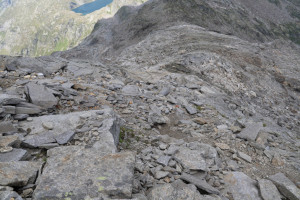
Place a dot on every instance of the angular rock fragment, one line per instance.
(21, 116)
(6, 99)
(177, 190)
(157, 119)
(199, 158)
(190, 109)
(201, 184)
(85, 173)
(40, 95)
(18, 173)
(14, 155)
(28, 108)
(286, 186)
(268, 190)
(9, 109)
(244, 156)
(164, 160)
(130, 90)
(33, 141)
(251, 131)
(241, 186)
(65, 137)
(7, 127)
(161, 174)
(9, 140)
(165, 91)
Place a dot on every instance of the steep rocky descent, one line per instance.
(209, 116)
(37, 28)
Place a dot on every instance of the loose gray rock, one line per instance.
(197, 159)
(244, 156)
(9, 140)
(158, 119)
(65, 137)
(33, 141)
(268, 190)
(28, 108)
(251, 131)
(9, 109)
(40, 95)
(164, 160)
(85, 173)
(7, 127)
(177, 190)
(21, 117)
(14, 155)
(161, 174)
(165, 91)
(130, 90)
(190, 109)
(286, 186)
(6, 99)
(241, 186)
(18, 173)
(201, 184)
(9, 195)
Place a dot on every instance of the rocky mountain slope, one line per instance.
(37, 28)
(167, 100)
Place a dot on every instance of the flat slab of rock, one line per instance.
(177, 190)
(40, 95)
(199, 158)
(6, 99)
(28, 108)
(18, 173)
(251, 131)
(268, 190)
(131, 90)
(190, 109)
(201, 184)
(241, 186)
(14, 155)
(33, 141)
(286, 186)
(61, 123)
(85, 173)
(65, 137)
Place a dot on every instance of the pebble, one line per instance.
(48, 125)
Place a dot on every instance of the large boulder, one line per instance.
(81, 173)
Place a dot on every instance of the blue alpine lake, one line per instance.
(92, 6)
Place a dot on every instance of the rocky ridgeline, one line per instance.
(174, 112)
